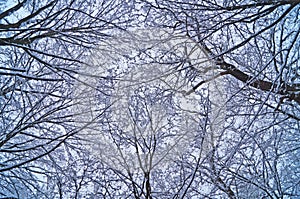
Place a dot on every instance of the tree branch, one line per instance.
(289, 91)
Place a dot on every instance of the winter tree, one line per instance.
(149, 99)
(43, 43)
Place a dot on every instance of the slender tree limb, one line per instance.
(13, 9)
(205, 81)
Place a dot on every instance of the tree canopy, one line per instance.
(149, 99)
